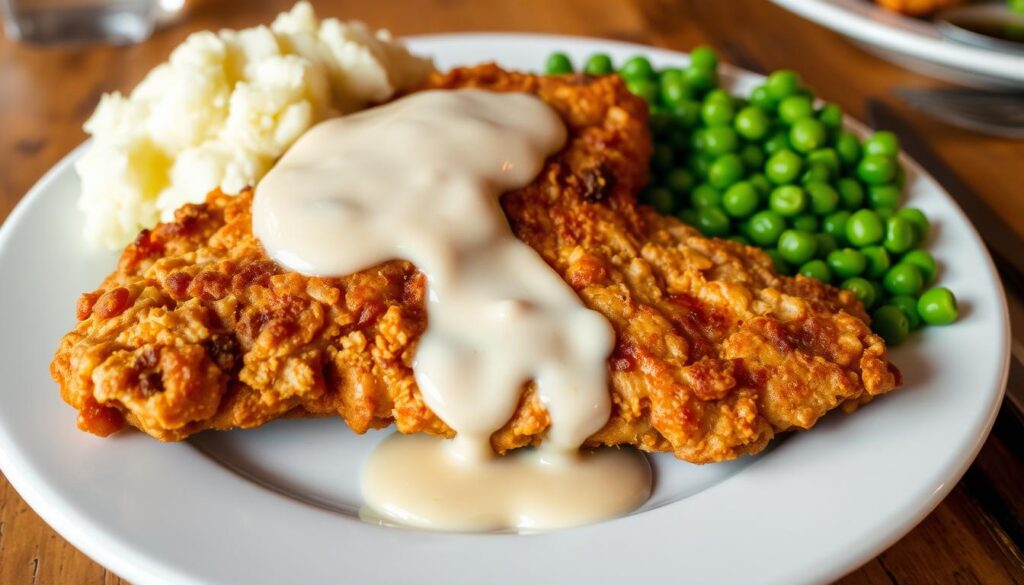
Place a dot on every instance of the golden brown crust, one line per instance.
(918, 7)
(715, 353)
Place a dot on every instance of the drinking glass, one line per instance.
(49, 22)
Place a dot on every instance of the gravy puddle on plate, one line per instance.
(418, 480)
(419, 179)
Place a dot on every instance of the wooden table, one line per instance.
(975, 536)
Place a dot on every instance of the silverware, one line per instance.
(1002, 242)
(997, 113)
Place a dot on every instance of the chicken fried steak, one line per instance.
(715, 353)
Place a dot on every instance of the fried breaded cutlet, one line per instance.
(918, 7)
(715, 353)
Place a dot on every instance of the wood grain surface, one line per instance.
(975, 536)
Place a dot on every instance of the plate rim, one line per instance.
(855, 24)
(141, 567)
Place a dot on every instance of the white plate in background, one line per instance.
(913, 43)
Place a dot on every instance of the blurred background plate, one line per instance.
(916, 44)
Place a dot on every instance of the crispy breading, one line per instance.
(918, 7)
(715, 353)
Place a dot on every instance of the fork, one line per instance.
(996, 113)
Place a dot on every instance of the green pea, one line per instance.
(816, 173)
(795, 107)
(817, 269)
(740, 200)
(752, 123)
(909, 307)
(918, 219)
(674, 92)
(937, 306)
(901, 177)
(700, 80)
(848, 148)
(797, 247)
(882, 143)
(679, 181)
(783, 167)
(643, 87)
(720, 95)
(704, 195)
(805, 222)
(831, 115)
(824, 199)
(761, 183)
(698, 139)
(717, 112)
(661, 157)
(739, 239)
(826, 243)
(598, 64)
(686, 113)
(806, 134)
(776, 142)
(826, 157)
(761, 98)
(878, 259)
(661, 115)
(704, 57)
(899, 235)
(862, 289)
(884, 213)
(903, 279)
(688, 216)
(864, 228)
(637, 67)
(753, 157)
(778, 262)
(846, 263)
(765, 227)
(884, 196)
(876, 170)
(720, 140)
(558, 64)
(726, 170)
(698, 165)
(850, 193)
(712, 221)
(924, 262)
(891, 324)
(782, 83)
(788, 200)
(669, 75)
(663, 200)
(834, 225)
(743, 227)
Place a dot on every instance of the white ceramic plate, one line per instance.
(278, 504)
(914, 43)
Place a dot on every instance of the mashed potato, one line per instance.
(221, 111)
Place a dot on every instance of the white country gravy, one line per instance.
(417, 480)
(419, 179)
